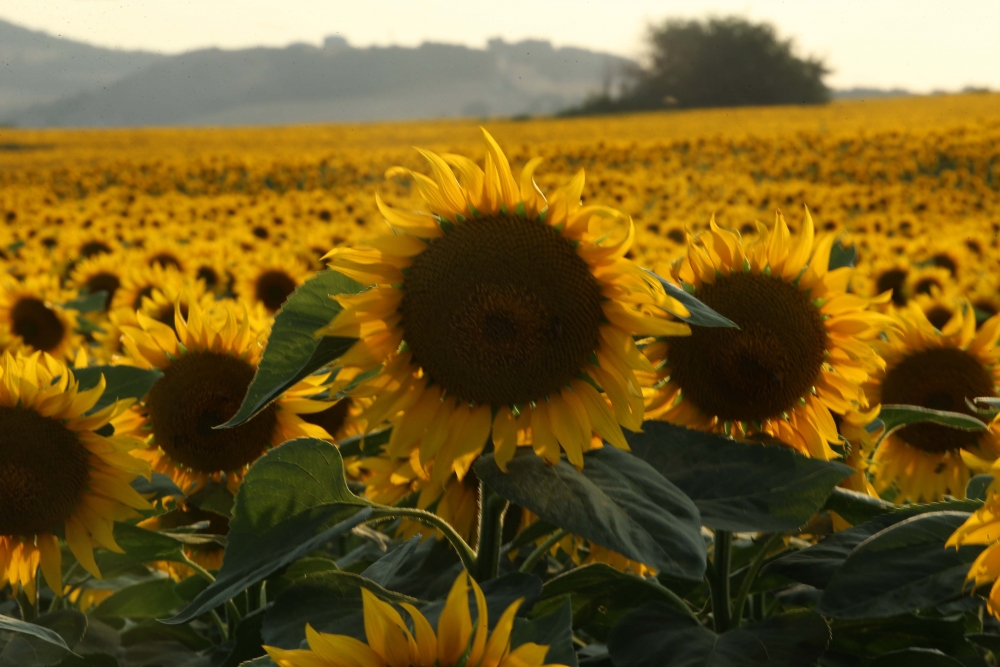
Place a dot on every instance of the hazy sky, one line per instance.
(916, 44)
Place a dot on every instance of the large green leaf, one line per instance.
(658, 635)
(140, 546)
(46, 641)
(320, 599)
(869, 638)
(600, 595)
(856, 507)
(915, 657)
(293, 500)
(122, 382)
(149, 599)
(293, 351)
(900, 569)
(617, 501)
(817, 564)
(737, 486)
(895, 417)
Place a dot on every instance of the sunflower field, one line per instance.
(710, 388)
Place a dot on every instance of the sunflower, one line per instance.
(103, 272)
(392, 642)
(983, 527)
(139, 281)
(800, 354)
(939, 370)
(269, 278)
(31, 318)
(208, 361)
(497, 304)
(57, 473)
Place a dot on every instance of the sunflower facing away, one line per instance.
(208, 361)
(392, 643)
(497, 304)
(800, 354)
(57, 474)
(939, 370)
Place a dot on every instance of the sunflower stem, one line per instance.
(492, 509)
(26, 606)
(719, 580)
(465, 552)
(750, 577)
(232, 613)
(220, 626)
(539, 553)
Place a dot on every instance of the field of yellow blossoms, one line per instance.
(789, 317)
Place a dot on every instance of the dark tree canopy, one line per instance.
(718, 63)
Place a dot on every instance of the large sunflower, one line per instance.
(57, 473)
(800, 354)
(391, 641)
(939, 370)
(983, 527)
(208, 361)
(495, 304)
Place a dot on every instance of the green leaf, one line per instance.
(895, 417)
(600, 595)
(293, 352)
(146, 631)
(915, 657)
(46, 641)
(841, 256)
(977, 487)
(157, 487)
(856, 507)
(700, 314)
(140, 546)
(617, 501)
(293, 500)
(213, 497)
(554, 630)
(366, 444)
(88, 303)
(737, 486)
(320, 599)
(149, 599)
(658, 635)
(816, 565)
(901, 569)
(122, 382)
(247, 643)
(870, 638)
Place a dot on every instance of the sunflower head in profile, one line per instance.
(392, 641)
(496, 306)
(800, 354)
(31, 318)
(208, 360)
(57, 473)
(938, 369)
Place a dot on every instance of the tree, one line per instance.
(718, 63)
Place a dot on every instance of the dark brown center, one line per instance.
(940, 379)
(43, 472)
(103, 282)
(273, 287)
(501, 311)
(197, 392)
(760, 370)
(38, 325)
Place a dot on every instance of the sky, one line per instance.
(921, 45)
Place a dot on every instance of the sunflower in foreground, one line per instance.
(391, 641)
(494, 306)
(938, 370)
(800, 354)
(208, 361)
(57, 474)
(983, 527)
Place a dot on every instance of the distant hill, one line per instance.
(303, 83)
(869, 93)
(36, 68)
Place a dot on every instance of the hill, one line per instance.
(304, 84)
(37, 68)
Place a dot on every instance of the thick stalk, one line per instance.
(721, 610)
(492, 509)
(465, 552)
(748, 579)
(28, 611)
